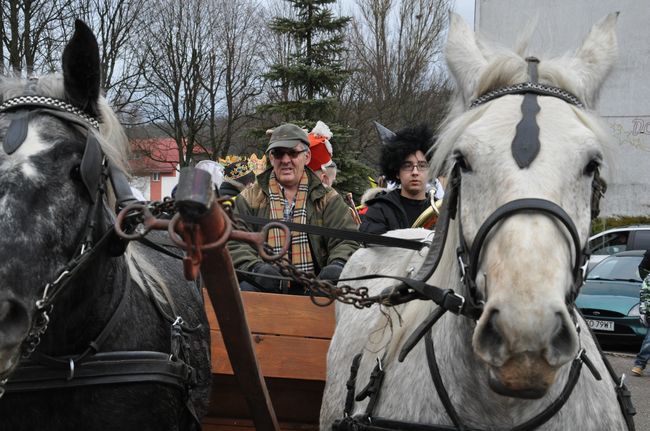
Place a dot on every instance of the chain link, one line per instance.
(41, 322)
(321, 292)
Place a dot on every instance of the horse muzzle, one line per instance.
(525, 375)
(523, 358)
(14, 327)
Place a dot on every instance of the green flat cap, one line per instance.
(287, 136)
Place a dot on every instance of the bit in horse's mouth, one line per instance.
(522, 376)
(528, 393)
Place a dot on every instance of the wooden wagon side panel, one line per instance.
(291, 337)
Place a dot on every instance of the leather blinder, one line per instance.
(91, 165)
(16, 132)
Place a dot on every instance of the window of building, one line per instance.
(155, 176)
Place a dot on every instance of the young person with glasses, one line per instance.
(290, 191)
(404, 161)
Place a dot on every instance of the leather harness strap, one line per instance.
(368, 422)
(103, 369)
(91, 367)
(525, 148)
(352, 235)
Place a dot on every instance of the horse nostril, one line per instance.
(563, 341)
(489, 341)
(14, 321)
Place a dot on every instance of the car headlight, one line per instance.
(634, 311)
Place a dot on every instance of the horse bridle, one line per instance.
(525, 147)
(94, 172)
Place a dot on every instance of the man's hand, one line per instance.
(332, 271)
(271, 285)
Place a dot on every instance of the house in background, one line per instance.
(155, 167)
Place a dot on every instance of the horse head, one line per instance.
(56, 131)
(527, 262)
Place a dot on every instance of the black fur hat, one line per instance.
(396, 147)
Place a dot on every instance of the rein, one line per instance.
(352, 235)
(525, 147)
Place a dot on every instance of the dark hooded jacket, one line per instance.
(230, 188)
(385, 212)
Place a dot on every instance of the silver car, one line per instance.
(616, 240)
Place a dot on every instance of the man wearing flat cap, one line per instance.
(290, 191)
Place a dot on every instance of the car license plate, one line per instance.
(600, 325)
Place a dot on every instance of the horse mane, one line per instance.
(144, 274)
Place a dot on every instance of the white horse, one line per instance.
(525, 216)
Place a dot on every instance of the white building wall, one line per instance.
(625, 97)
(168, 184)
(142, 184)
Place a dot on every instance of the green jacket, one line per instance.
(325, 207)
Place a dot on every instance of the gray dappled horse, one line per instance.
(522, 161)
(114, 355)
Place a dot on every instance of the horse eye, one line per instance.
(75, 173)
(462, 162)
(592, 167)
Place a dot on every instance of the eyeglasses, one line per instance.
(278, 153)
(409, 166)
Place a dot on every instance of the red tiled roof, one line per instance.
(155, 155)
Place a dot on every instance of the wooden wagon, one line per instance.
(291, 336)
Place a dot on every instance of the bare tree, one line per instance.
(32, 30)
(174, 48)
(117, 24)
(395, 50)
(235, 68)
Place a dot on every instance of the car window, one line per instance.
(641, 240)
(609, 243)
(617, 268)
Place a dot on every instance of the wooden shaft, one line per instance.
(221, 283)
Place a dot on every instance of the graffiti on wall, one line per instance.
(633, 132)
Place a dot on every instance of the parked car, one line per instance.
(618, 239)
(609, 300)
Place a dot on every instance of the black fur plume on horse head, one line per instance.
(402, 143)
(81, 73)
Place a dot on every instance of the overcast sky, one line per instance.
(465, 8)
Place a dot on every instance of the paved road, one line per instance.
(622, 361)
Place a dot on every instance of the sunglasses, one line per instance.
(278, 153)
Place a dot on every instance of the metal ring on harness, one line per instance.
(265, 234)
(171, 229)
(147, 223)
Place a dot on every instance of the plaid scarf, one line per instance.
(296, 211)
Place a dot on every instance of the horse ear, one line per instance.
(384, 133)
(464, 56)
(81, 69)
(596, 56)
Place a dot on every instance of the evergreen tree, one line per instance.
(314, 70)
(308, 80)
